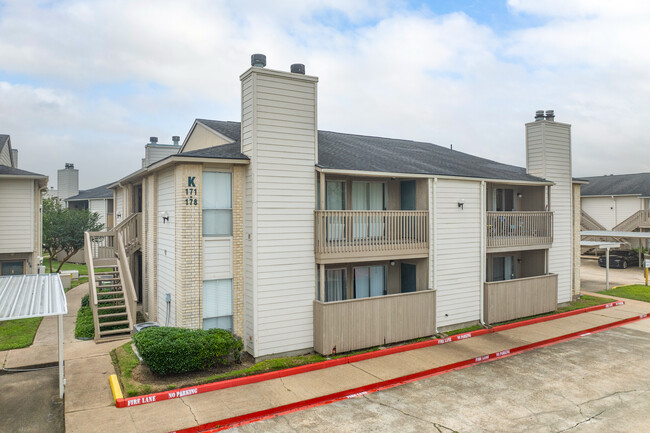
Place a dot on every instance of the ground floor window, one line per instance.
(503, 268)
(335, 285)
(369, 281)
(12, 268)
(217, 304)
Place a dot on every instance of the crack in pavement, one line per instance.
(356, 366)
(583, 421)
(191, 411)
(437, 426)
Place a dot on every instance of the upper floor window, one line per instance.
(217, 204)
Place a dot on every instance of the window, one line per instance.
(503, 268)
(217, 204)
(369, 281)
(335, 285)
(217, 304)
(504, 200)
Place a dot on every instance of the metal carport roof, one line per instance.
(26, 296)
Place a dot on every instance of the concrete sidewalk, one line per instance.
(89, 404)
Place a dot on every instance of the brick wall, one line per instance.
(189, 249)
(238, 184)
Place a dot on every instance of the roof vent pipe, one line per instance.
(69, 165)
(550, 115)
(298, 68)
(258, 60)
(153, 140)
(539, 115)
(176, 139)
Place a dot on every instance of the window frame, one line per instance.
(203, 208)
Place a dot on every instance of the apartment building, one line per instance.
(298, 239)
(20, 214)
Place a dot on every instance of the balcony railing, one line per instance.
(346, 233)
(519, 229)
(522, 297)
(354, 324)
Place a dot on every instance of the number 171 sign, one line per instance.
(191, 193)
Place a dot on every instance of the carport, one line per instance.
(617, 235)
(27, 296)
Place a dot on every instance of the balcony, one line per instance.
(354, 324)
(370, 235)
(508, 231)
(521, 297)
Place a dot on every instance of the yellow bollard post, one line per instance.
(646, 276)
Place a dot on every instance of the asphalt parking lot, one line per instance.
(30, 403)
(592, 276)
(592, 384)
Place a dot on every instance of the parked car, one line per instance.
(621, 259)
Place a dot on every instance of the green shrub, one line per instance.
(177, 350)
(85, 301)
(85, 326)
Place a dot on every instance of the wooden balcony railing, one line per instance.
(639, 219)
(522, 297)
(519, 229)
(354, 324)
(345, 233)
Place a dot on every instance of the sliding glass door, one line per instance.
(335, 200)
(368, 196)
(369, 281)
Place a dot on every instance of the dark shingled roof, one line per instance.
(225, 151)
(99, 192)
(364, 153)
(620, 184)
(10, 171)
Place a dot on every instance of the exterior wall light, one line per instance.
(461, 203)
(165, 216)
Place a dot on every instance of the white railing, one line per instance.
(636, 220)
(92, 292)
(514, 229)
(351, 231)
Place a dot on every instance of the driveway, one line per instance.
(592, 276)
(595, 383)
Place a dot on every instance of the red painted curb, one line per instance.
(215, 386)
(229, 423)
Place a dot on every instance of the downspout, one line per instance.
(483, 257)
(41, 191)
(434, 241)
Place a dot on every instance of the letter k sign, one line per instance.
(190, 181)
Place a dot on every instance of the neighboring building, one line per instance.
(67, 181)
(617, 202)
(20, 214)
(299, 239)
(99, 200)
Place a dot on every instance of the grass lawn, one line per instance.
(15, 334)
(137, 380)
(584, 302)
(83, 269)
(634, 291)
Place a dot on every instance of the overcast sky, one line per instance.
(89, 82)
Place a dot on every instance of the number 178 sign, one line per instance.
(191, 193)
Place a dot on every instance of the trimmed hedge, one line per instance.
(169, 350)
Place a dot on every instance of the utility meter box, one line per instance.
(646, 263)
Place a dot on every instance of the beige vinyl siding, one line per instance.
(602, 209)
(626, 207)
(149, 217)
(119, 205)
(156, 153)
(249, 210)
(16, 215)
(98, 206)
(282, 144)
(549, 148)
(203, 137)
(5, 156)
(166, 246)
(458, 251)
(217, 258)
